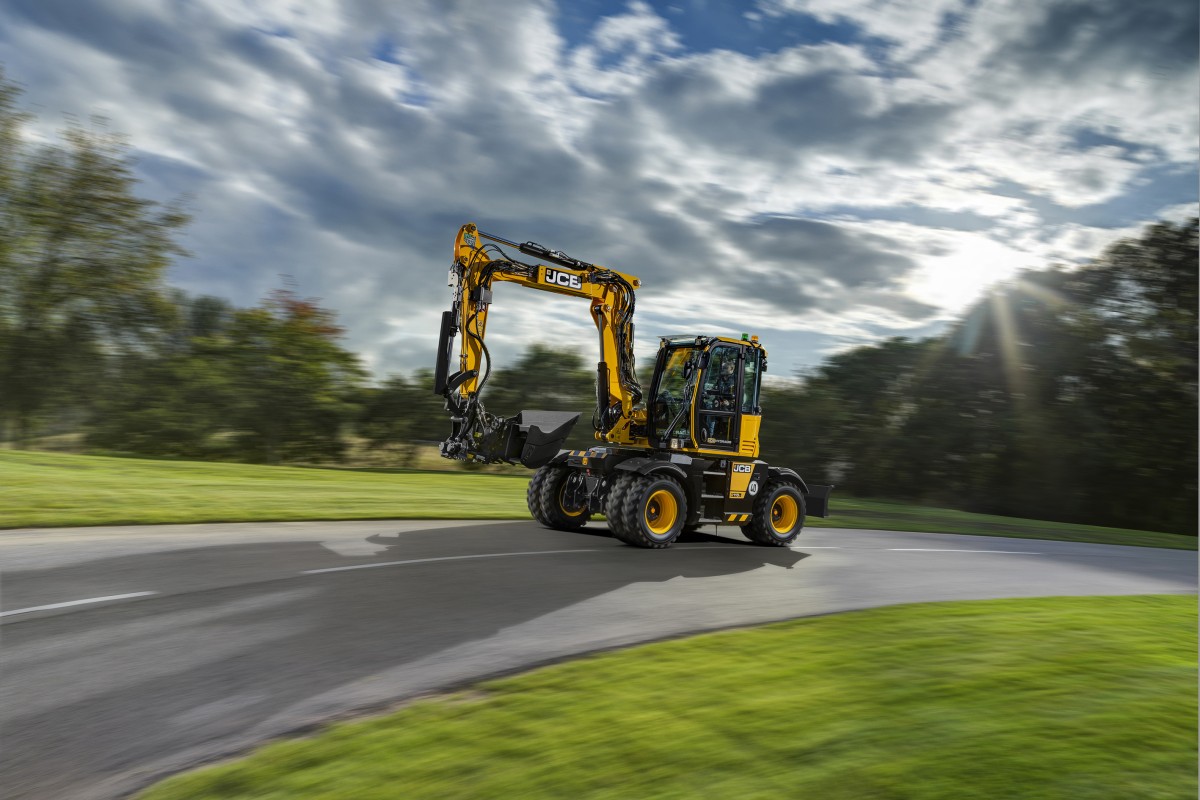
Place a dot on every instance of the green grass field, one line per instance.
(41, 489)
(1053, 698)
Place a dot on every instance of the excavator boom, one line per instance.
(532, 437)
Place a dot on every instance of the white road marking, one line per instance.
(943, 550)
(815, 547)
(75, 603)
(441, 558)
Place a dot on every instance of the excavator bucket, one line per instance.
(535, 437)
(531, 437)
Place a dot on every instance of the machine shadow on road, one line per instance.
(239, 633)
(701, 536)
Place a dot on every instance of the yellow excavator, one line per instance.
(684, 458)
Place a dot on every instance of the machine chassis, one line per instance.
(768, 503)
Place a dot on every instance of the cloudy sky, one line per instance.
(821, 172)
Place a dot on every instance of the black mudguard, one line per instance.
(647, 466)
(788, 476)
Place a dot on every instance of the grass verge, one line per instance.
(50, 489)
(39, 489)
(1048, 698)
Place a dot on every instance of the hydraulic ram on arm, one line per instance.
(477, 435)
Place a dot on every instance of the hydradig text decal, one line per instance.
(560, 278)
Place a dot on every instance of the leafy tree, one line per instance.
(81, 264)
(292, 384)
(172, 397)
(1065, 394)
(401, 414)
(1143, 292)
(266, 384)
(837, 424)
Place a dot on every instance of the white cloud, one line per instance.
(812, 188)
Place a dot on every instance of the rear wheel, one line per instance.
(650, 512)
(778, 516)
(563, 498)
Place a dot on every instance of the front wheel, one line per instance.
(650, 512)
(778, 516)
(562, 499)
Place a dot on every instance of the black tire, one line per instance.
(563, 499)
(651, 511)
(533, 495)
(778, 515)
(612, 505)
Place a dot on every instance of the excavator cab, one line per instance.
(704, 396)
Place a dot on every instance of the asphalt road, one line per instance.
(130, 653)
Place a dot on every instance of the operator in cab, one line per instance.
(719, 394)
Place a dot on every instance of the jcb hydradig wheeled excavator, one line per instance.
(685, 458)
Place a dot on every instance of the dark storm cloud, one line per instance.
(790, 266)
(813, 250)
(114, 28)
(903, 306)
(1068, 41)
(797, 110)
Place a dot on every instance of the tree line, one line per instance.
(1063, 394)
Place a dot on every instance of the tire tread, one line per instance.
(630, 511)
(548, 501)
(758, 529)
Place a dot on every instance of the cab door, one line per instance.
(719, 399)
(751, 412)
(670, 411)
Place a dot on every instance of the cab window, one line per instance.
(750, 383)
(671, 395)
(718, 399)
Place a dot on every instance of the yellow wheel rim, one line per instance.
(562, 490)
(662, 509)
(785, 513)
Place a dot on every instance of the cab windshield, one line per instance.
(672, 395)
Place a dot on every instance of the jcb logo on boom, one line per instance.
(560, 278)
(743, 468)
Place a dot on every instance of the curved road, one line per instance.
(130, 653)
